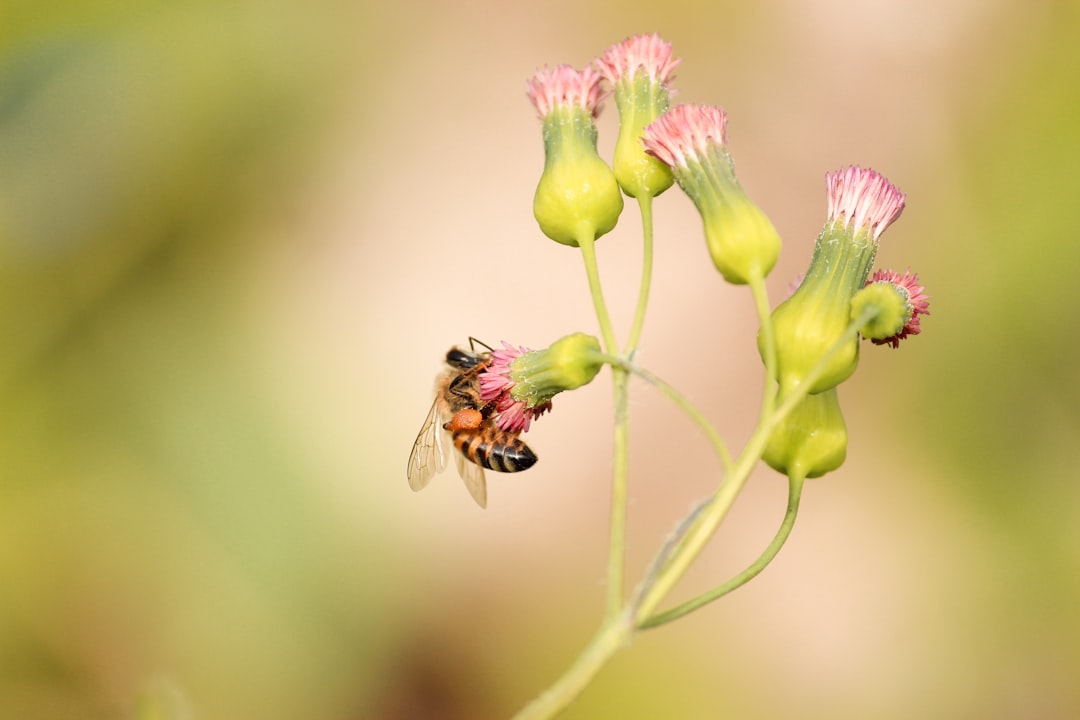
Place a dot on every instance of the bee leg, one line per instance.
(488, 409)
(455, 387)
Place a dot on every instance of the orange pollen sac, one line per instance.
(467, 419)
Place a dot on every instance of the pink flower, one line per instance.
(646, 52)
(863, 199)
(497, 384)
(684, 134)
(564, 86)
(908, 284)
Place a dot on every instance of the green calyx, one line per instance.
(567, 364)
(577, 193)
(814, 319)
(741, 239)
(811, 440)
(889, 308)
(640, 101)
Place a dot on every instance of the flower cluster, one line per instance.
(815, 344)
(809, 344)
(811, 324)
(815, 332)
(578, 195)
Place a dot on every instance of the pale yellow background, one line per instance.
(236, 239)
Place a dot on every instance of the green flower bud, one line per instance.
(811, 440)
(567, 364)
(577, 194)
(522, 382)
(887, 307)
(916, 303)
(691, 139)
(814, 319)
(639, 69)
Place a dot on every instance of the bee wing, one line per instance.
(473, 475)
(428, 455)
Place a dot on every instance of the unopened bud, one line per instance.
(691, 139)
(811, 440)
(577, 194)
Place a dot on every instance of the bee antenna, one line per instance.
(473, 342)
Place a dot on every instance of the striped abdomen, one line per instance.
(494, 449)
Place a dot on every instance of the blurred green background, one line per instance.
(236, 239)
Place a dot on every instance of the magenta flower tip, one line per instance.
(908, 282)
(684, 133)
(496, 377)
(794, 284)
(645, 52)
(863, 198)
(512, 415)
(515, 415)
(549, 88)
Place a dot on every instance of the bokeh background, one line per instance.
(236, 239)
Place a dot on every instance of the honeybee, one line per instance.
(459, 415)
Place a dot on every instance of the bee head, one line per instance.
(462, 360)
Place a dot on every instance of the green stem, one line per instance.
(619, 492)
(621, 391)
(695, 415)
(702, 530)
(617, 630)
(621, 442)
(645, 205)
(795, 486)
(587, 242)
(613, 635)
(714, 513)
(767, 337)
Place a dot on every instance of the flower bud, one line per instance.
(884, 290)
(522, 382)
(887, 308)
(808, 324)
(577, 194)
(811, 440)
(691, 139)
(639, 68)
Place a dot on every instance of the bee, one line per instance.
(459, 415)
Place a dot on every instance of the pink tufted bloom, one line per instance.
(861, 204)
(639, 69)
(578, 196)
(908, 284)
(564, 86)
(692, 141)
(640, 52)
(497, 384)
(863, 199)
(685, 133)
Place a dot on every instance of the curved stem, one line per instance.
(795, 486)
(688, 540)
(710, 518)
(612, 636)
(645, 205)
(695, 415)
